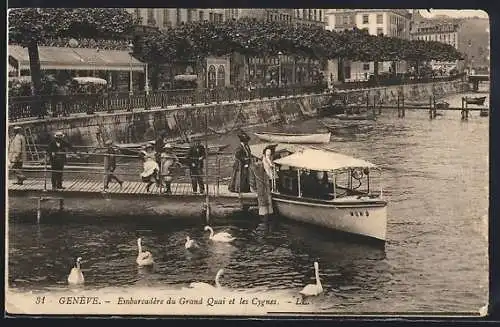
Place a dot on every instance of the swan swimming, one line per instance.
(143, 258)
(206, 285)
(313, 289)
(76, 276)
(219, 237)
(190, 243)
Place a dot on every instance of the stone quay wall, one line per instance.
(141, 125)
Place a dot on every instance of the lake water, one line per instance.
(435, 258)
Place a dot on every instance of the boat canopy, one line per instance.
(322, 160)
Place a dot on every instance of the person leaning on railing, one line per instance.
(56, 153)
(17, 154)
(196, 156)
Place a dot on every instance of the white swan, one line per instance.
(190, 243)
(313, 289)
(206, 285)
(221, 236)
(143, 258)
(76, 276)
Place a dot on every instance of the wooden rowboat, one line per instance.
(295, 138)
(477, 101)
(367, 116)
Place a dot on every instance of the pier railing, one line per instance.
(97, 170)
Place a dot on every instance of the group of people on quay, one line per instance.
(159, 162)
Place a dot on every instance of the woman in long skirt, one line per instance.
(264, 176)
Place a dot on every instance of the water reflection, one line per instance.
(434, 178)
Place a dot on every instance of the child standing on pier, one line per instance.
(110, 163)
(151, 168)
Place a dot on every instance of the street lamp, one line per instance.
(131, 49)
(279, 68)
(146, 86)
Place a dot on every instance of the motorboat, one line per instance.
(331, 190)
(317, 138)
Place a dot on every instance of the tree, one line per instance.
(29, 26)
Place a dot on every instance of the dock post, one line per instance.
(399, 110)
(431, 113)
(403, 103)
(466, 111)
(39, 210)
(45, 174)
(207, 200)
(61, 204)
(374, 105)
(105, 173)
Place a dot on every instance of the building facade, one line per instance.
(164, 18)
(470, 36)
(388, 22)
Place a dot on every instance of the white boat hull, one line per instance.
(291, 138)
(364, 219)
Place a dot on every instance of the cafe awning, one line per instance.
(11, 69)
(77, 59)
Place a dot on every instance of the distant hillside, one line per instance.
(473, 40)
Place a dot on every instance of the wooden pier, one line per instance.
(132, 197)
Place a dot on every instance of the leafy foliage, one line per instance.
(28, 25)
(260, 38)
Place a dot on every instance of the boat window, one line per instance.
(315, 185)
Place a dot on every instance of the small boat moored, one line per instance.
(294, 138)
(324, 188)
(484, 113)
(477, 100)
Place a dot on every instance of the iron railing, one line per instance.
(29, 107)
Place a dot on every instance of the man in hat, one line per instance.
(196, 156)
(56, 152)
(110, 162)
(17, 154)
(241, 178)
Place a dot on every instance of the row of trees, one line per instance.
(261, 38)
(197, 40)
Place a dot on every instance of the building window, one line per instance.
(212, 77)
(202, 15)
(211, 17)
(221, 76)
(310, 14)
(137, 13)
(380, 19)
(304, 14)
(315, 14)
(178, 16)
(365, 19)
(151, 17)
(366, 66)
(190, 15)
(380, 31)
(320, 15)
(165, 18)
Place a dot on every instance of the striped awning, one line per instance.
(77, 59)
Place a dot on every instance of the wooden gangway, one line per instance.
(89, 185)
